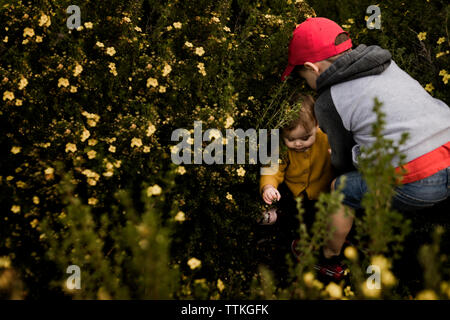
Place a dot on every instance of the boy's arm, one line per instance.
(340, 139)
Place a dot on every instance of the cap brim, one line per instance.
(287, 72)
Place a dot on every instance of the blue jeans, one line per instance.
(408, 197)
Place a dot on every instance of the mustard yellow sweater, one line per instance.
(308, 171)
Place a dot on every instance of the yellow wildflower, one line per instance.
(18, 102)
(167, 69)
(422, 36)
(38, 39)
(49, 170)
(177, 25)
(28, 32)
(199, 51)
(229, 122)
(194, 263)
(229, 196)
(429, 87)
(151, 129)
(85, 135)
(439, 54)
(201, 68)
(220, 285)
(92, 154)
(23, 83)
(388, 279)
(146, 149)
(154, 190)
(241, 172)
(334, 290)
(92, 201)
(308, 278)
(136, 142)
(188, 44)
(441, 40)
(15, 150)
(36, 200)
(99, 44)
(73, 89)
(426, 295)
(162, 89)
(44, 20)
(351, 253)
(71, 147)
(8, 95)
(152, 82)
(110, 51)
(112, 149)
(15, 208)
(63, 82)
(180, 217)
(181, 170)
(77, 70)
(34, 223)
(88, 25)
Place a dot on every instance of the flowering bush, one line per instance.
(87, 114)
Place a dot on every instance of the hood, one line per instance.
(360, 62)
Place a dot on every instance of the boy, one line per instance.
(347, 81)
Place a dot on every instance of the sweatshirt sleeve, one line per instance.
(340, 140)
(275, 179)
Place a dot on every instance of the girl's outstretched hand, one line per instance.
(270, 194)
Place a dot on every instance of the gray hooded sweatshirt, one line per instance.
(344, 108)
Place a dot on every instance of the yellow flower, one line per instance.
(426, 295)
(443, 72)
(151, 129)
(180, 217)
(18, 102)
(5, 262)
(136, 142)
(38, 39)
(36, 200)
(181, 170)
(199, 51)
(15, 209)
(351, 253)
(220, 285)
(99, 44)
(308, 278)
(381, 262)
(112, 68)
(77, 70)
(351, 20)
(177, 25)
(92, 142)
(348, 291)
(422, 36)
(167, 69)
(34, 223)
(110, 51)
(44, 20)
(441, 40)
(138, 29)
(112, 149)
(15, 150)
(439, 54)
(429, 87)
(370, 293)
(63, 82)
(85, 135)
(194, 263)
(49, 170)
(162, 89)
(229, 196)
(28, 32)
(92, 154)
(188, 44)
(152, 82)
(92, 201)
(241, 172)
(73, 89)
(226, 29)
(88, 25)
(154, 190)
(334, 290)
(23, 83)
(229, 122)
(5, 40)
(388, 279)
(146, 149)
(126, 19)
(201, 68)
(8, 95)
(71, 147)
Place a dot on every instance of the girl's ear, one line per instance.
(312, 67)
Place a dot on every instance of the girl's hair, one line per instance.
(306, 117)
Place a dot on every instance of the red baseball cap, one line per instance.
(313, 41)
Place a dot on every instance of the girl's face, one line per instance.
(299, 139)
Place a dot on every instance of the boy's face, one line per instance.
(299, 139)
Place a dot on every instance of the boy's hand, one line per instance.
(270, 194)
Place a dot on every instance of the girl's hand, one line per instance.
(270, 193)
